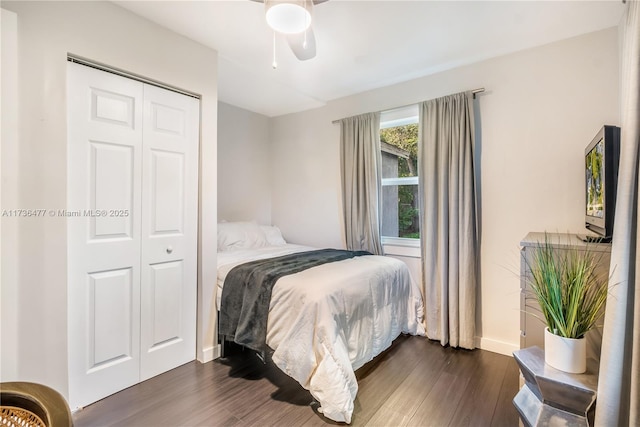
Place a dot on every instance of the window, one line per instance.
(399, 152)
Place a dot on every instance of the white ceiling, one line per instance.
(362, 45)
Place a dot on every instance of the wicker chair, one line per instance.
(25, 404)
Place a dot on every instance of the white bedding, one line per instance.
(329, 320)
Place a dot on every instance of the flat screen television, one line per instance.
(601, 177)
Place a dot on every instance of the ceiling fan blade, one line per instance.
(303, 47)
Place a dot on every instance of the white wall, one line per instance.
(306, 194)
(244, 166)
(8, 232)
(540, 109)
(106, 33)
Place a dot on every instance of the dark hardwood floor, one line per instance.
(415, 383)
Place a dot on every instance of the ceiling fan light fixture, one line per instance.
(288, 16)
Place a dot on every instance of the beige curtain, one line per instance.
(360, 168)
(448, 231)
(618, 399)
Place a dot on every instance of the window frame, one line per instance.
(393, 118)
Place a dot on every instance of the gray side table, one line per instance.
(551, 397)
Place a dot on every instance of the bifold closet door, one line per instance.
(169, 230)
(104, 251)
(132, 216)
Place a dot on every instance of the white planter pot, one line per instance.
(565, 354)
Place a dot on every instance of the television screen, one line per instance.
(595, 180)
(601, 173)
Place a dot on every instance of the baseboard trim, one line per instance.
(496, 346)
(209, 353)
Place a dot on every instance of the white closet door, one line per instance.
(132, 231)
(169, 230)
(104, 245)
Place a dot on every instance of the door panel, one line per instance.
(169, 209)
(112, 108)
(110, 320)
(167, 193)
(166, 306)
(104, 144)
(111, 193)
(165, 118)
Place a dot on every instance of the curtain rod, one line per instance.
(474, 91)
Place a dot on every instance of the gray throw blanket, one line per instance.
(246, 294)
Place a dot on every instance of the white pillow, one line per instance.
(274, 235)
(240, 235)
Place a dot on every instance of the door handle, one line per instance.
(169, 249)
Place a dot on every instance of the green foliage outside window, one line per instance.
(406, 138)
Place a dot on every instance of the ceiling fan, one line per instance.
(292, 18)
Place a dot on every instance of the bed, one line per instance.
(327, 321)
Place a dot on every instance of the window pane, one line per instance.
(400, 212)
(399, 146)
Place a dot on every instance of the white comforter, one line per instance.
(327, 321)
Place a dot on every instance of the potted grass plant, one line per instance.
(572, 295)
